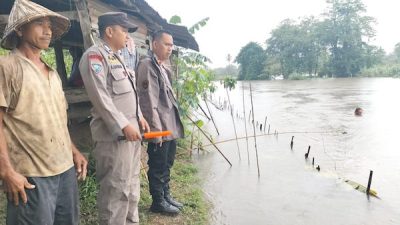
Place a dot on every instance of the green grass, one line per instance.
(186, 187)
(2, 207)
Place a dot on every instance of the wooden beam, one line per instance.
(85, 22)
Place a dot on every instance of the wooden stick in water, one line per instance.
(234, 125)
(265, 123)
(254, 130)
(209, 139)
(212, 118)
(245, 127)
(204, 112)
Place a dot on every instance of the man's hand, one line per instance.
(80, 163)
(14, 185)
(144, 125)
(131, 133)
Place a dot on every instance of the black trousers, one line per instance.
(161, 160)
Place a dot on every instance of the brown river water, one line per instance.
(290, 191)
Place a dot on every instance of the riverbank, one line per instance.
(185, 185)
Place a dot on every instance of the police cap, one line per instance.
(116, 18)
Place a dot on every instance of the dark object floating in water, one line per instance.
(358, 111)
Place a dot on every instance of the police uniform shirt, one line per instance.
(111, 89)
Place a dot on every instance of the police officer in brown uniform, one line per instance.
(160, 109)
(116, 113)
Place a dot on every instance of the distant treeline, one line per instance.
(335, 45)
(228, 71)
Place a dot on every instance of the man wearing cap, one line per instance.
(37, 156)
(161, 111)
(116, 116)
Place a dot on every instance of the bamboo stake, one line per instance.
(192, 138)
(209, 139)
(245, 127)
(212, 118)
(201, 108)
(250, 116)
(265, 123)
(234, 125)
(254, 130)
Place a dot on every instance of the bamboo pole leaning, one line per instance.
(209, 139)
(209, 112)
(204, 112)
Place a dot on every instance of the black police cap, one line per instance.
(116, 18)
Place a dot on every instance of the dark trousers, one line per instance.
(161, 160)
(53, 201)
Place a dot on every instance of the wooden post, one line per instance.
(265, 123)
(369, 181)
(85, 22)
(291, 143)
(58, 50)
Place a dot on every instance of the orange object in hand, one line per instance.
(150, 135)
(156, 134)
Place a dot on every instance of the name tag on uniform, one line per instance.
(116, 66)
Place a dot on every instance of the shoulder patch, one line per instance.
(145, 84)
(95, 57)
(96, 67)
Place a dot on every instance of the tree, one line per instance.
(373, 55)
(295, 47)
(397, 51)
(346, 31)
(195, 78)
(251, 59)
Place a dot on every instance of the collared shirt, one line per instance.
(111, 89)
(35, 121)
(130, 58)
(129, 54)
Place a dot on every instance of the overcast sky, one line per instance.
(235, 23)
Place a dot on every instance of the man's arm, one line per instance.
(13, 182)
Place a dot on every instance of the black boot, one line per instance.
(173, 202)
(163, 206)
(170, 199)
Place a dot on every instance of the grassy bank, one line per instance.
(185, 187)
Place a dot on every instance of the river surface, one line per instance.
(289, 190)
